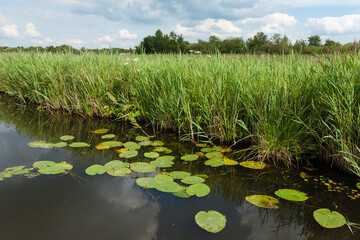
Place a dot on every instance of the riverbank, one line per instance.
(282, 107)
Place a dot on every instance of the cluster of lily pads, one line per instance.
(64, 142)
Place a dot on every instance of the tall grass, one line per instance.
(282, 106)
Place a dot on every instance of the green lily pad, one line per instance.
(198, 189)
(131, 145)
(253, 164)
(16, 168)
(167, 151)
(142, 138)
(43, 164)
(166, 158)
(145, 143)
(162, 163)
(40, 144)
(146, 182)
(168, 186)
(65, 166)
(263, 201)
(79, 144)
(202, 145)
(112, 144)
(95, 169)
(358, 185)
(215, 162)
(101, 131)
(192, 180)
(118, 172)
(182, 193)
(329, 219)
(52, 170)
(216, 148)
(190, 157)
(108, 136)
(115, 164)
(204, 176)
(179, 174)
(151, 154)
(211, 221)
(291, 195)
(160, 149)
(164, 177)
(206, 149)
(157, 143)
(60, 144)
(66, 138)
(213, 155)
(129, 154)
(142, 167)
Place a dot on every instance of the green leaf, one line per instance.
(157, 143)
(95, 169)
(40, 144)
(213, 155)
(142, 138)
(204, 176)
(198, 189)
(66, 138)
(202, 145)
(142, 167)
(166, 158)
(358, 185)
(291, 195)
(52, 170)
(118, 172)
(167, 186)
(190, 157)
(60, 144)
(162, 163)
(65, 166)
(263, 201)
(179, 174)
(14, 169)
(101, 131)
(115, 164)
(160, 149)
(108, 136)
(145, 143)
(146, 182)
(151, 154)
(211, 221)
(43, 164)
(112, 144)
(253, 164)
(215, 162)
(329, 219)
(206, 149)
(182, 193)
(79, 144)
(129, 154)
(192, 180)
(131, 145)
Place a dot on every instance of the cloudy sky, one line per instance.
(124, 23)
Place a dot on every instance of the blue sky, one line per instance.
(124, 23)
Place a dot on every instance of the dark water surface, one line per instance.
(77, 206)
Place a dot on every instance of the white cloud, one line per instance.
(39, 42)
(49, 40)
(76, 42)
(125, 34)
(10, 30)
(30, 30)
(106, 38)
(272, 23)
(335, 25)
(186, 31)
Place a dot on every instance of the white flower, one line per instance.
(126, 63)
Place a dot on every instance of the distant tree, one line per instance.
(258, 42)
(233, 45)
(299, 46)
(314, 40)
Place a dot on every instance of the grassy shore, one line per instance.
(282, 107)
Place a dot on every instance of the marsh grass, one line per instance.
(282, 107)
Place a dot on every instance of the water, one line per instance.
(77, 206)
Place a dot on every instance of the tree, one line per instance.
(258, 42)
(314, 40)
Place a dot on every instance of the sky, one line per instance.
(124, 23)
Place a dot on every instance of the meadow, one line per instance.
(285, 109)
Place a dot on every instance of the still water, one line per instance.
(77, 206)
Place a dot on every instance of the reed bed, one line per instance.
(281, 107)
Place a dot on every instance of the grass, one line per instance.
(282, 107)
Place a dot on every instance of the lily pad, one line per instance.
(164, 177)
(101, 131)
(160, 149)
(166, 158)
(118, 172)
(329, 219)
(43, 164)
(79, 144)
(108, 136)
(115, 164)
(157, 143)
(358, 185)
(65, 166)
(146, 182)
(129, 154)
(167, 151)
(213, 155)
(145, 143)
(211, 221)
(206, 150)
(16, 168)
(100, 146)
(215, 162)
(204, 176)
(40, 144)
(162, 163)
(95, 169)
(263, 201)
(151, 154)
(291, 195)
(168, 186)
(198, 189)
(60, 144)
(66, 138)
(179, 174)
(142, 138)
(52, 170)
(230, 162)
(182, 193)
(112, 144)
(142, 167)
(200, 154)
(253, 164)
(192, 180)
(202, 145)
(190, 157)
(132, 145)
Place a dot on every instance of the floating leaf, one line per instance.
(60, 144)
(225, 150)
(164, 177)
(108, 136)
(216, 148)
(182, 193)
(142, 167)
(167, 186)
(253, 164)
(167, 151)
(66, 166)
(43, 164)
(179, 174)
(200, 154)
(190, 157)
(202, 145)
(95, 169)
(121, 150)
(16, 168)
(263, 201)
(358, 185)
(142, 138)
(151, 154)
(118, 172)
(146, 182)
(40, 144)
(132, 145)
(115, 164)
(112, 144)
(192, 180)
(215, 162)
(100, 146)
(291, 195)
(157, 143)
(213, 155)
(129, 154)
(145, 143)
(230, 162)
(160, 149)
(67, 138)
(198, 189)
(329, 219)
(52, 170)
(101, 131)
(211, 221)
(207, 150)
(166, 158)
(79, 144)
(162, 162)
(204, 176)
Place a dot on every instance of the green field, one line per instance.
(283, 109)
